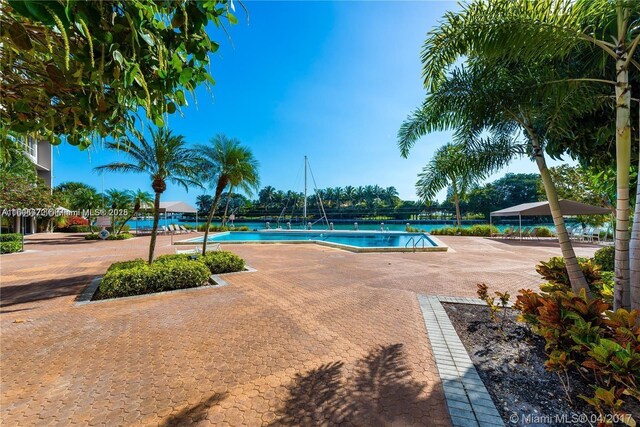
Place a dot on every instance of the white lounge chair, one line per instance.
(193, 251)
(213, 247)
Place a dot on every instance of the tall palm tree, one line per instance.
(349, 194)
(225, 162)
(500, 99)
(165, 158)
(542, 30)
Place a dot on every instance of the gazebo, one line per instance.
(173, 207)
(567, 207)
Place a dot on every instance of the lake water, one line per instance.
(322, 226)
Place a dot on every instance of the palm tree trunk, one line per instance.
(634, 257)
(214, 206)
(154, 230)
(226, 208)
(456, 202)
(576, 276)
(634, 254)
(622, 294)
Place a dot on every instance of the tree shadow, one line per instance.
(314, 398)
(43, 290)
(193, 414)
(380, 391)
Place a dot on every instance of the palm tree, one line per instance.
(204, 202)
(454, 165)
(542, 30)
(225, 162)
(138, 199)
(165, 158)
(499, 99)
(349, 194)
(391, 196)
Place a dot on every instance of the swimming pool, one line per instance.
(356, 241)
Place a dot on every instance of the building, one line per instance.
(41, 154)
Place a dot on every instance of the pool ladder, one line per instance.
(415, 242)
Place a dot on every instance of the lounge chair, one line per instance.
(193, 251)
(213, 247)
(184, 229)
(504, 233)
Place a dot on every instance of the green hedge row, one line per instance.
(167, 272)
(10, 247)
(87, 229)
(219, 228)
(121, 236)
(476, 230)
(11, 237)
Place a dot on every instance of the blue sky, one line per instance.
(330, 80)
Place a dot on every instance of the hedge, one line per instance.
(167, 272)
(11, 237)
(604, 257)
(219, 228)
(476, 230)
(137, 277)
(121, 236)
(223, 262)
(10, 247)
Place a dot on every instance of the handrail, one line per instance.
(409, 241)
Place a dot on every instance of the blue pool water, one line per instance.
(358, 239)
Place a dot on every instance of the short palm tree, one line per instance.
(225, 162)
(165, 158)
(456, 166)
(137, 199)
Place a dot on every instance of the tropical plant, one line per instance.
(454, 165)
(85, 68)
(499, 99)
(541, 32)
(222, 163)
(137, 200)
(165, 158)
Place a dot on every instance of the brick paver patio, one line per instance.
(317, 336)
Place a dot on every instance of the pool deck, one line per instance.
(315, 336)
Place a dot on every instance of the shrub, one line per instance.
(178, 274)
(10, 247)
(544, 232)
(223, 262)
(219, 228)
(604, 257)
(476, 230)
(123, 265)
(174, 257)
(75, 220)
(121, 236)
(137, 277)
(582, 333)
(11, 237)
(77, 229)
(555, 271)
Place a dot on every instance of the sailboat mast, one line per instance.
(304, 212)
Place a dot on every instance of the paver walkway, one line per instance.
(317, 336)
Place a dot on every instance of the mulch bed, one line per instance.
(511, 365)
